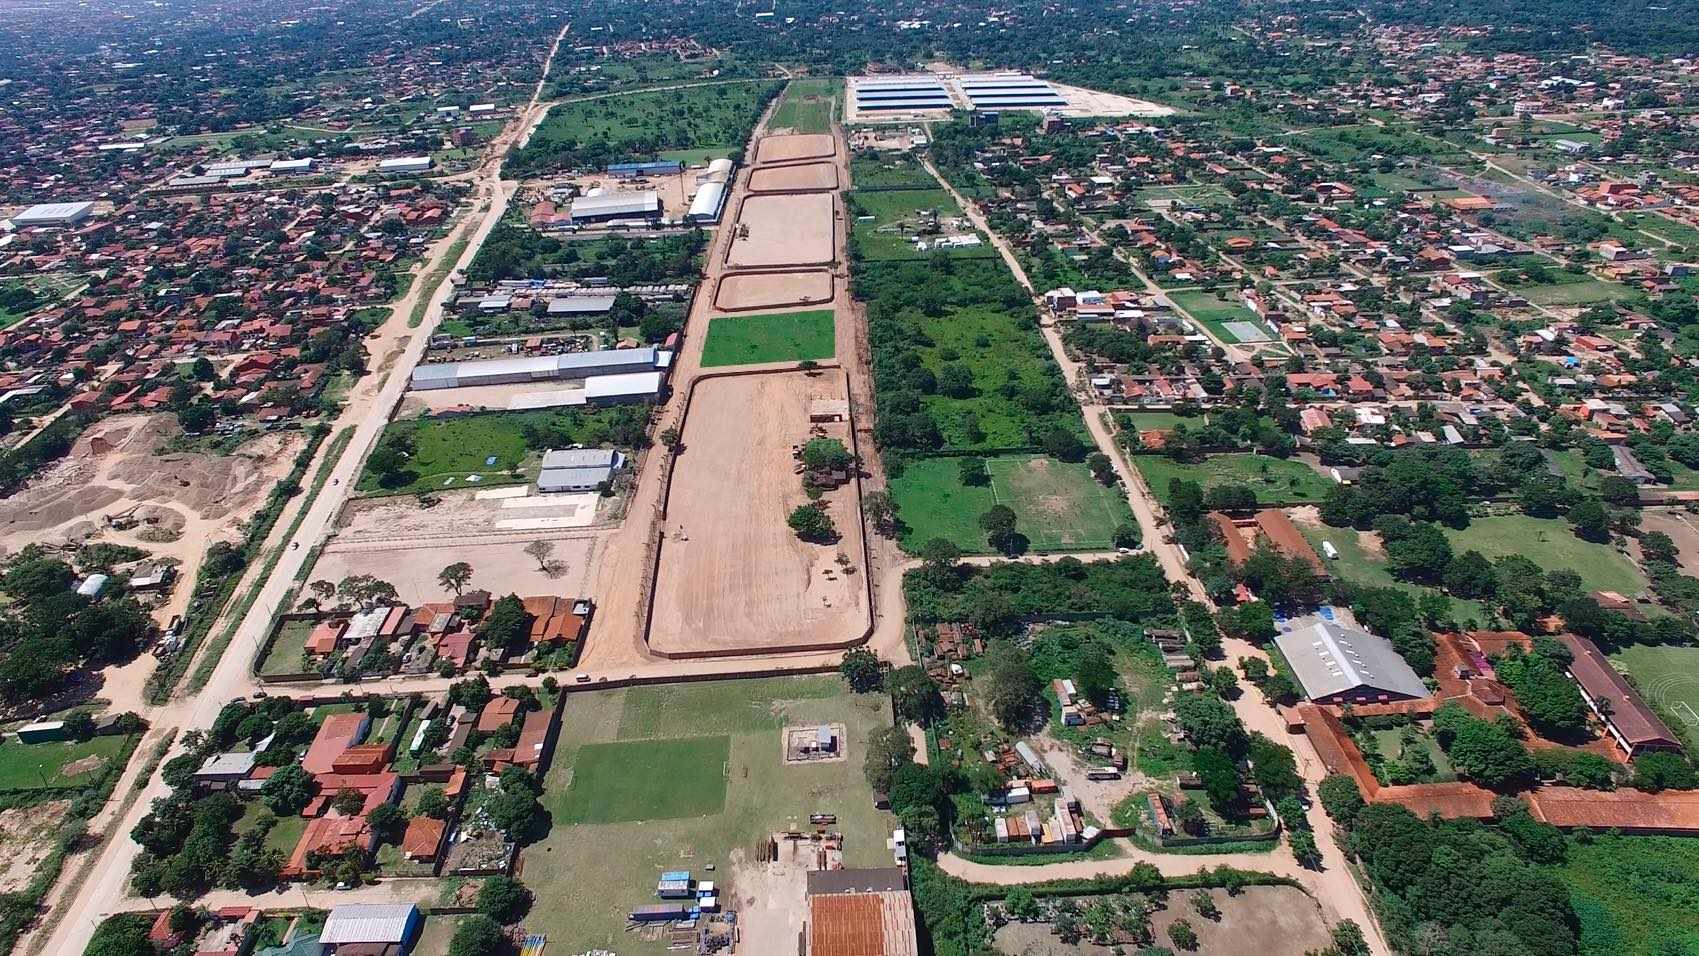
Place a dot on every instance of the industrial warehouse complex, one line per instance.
(924, 93)
(610, 375)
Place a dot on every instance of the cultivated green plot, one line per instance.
(780, 337)
(647, 780)
(807, 106)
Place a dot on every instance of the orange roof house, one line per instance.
(423, 839)
(326, 635)
(338, 733)
(498, 713)
(363, 758)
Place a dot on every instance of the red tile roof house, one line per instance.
(338, 733)
(422, 842)
(497, 713)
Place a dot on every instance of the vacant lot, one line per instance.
(647, 780)
(786, 149)
(733, 576)
(1058, 505)
(56, 764)
(1275, 480)
(761, 796)
(1549, 542)
(1635, 896)
(1360, 561)
(782, 337)
(1266, 920)
(801, 177)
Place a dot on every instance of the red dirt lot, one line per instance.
(742, 291)
(793, 147)
(800, 178)
(732, 578)
(789, 229)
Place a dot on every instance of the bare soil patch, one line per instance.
(1266, 920)
(791, 147)
(801, 177)
(500, 567)
(26, 837)
(794, 229)
(742, 291)
(732, 577)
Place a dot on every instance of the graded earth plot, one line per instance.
(745, 291)
(803, 177)
(786, 229)
(791, 148)
(732, 577)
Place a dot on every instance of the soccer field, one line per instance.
(1668, 677)
(1058, 506)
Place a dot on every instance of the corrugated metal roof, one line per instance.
(368, 923)
(615, 386)
(581, 458)
(1329, 658)
(617, 204)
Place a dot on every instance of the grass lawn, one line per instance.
(1550, 544)
(874, 172)
(1360, 565)
(284, 657)
(761, 795)
(486, 449)
(807, 106)
(1634, 896)
(1668, 677)
(55, 764)
(1213, 311)
(1574, 290)
(647, 780)
(781, 337)
(1275, 480)
(1057, 505)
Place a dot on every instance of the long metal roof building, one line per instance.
(645, 202)
(541, 368)
(906, 93)
(1336, 664)
(1009, 91)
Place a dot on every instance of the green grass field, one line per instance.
(780, 337)
(716, 116)
(761, 796)
(898, 214)
(807, 105)
(1275, 480)
(1213, 312)
(1360, 565)
(448, 452)
(872, 173)
(1574, 290)
(1634, 895)
(1057, 505)
(1668, 677)
(54, 764)
(1551, 545)
(647, 780)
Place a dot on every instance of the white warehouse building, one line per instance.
(541, 368)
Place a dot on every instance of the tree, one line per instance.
(1220, 778)
(507, 626)
(455, 576)
(1486, 751)
(940, 554)
(433, 803)
(387, 821)
(1128, 536)
(1304, 848)
(1182, 934)
(123, 934)
(513, 810)
(1348, 939)
(503, 899)
(540, 550)
(1204, 904)
(1094, 672)
(1020, 905)
(287, 791)
(1663, 770)
(348, 801)
(386, 461)
(1341, 798)
(1657, 546)
(881, 510)
(861, 670)
(670, 439)
(826, 454)
(998, 523)
(914, 694)
(1010, 686)
(812, 523)
(477, 935)
(1210, 723)
(887, 749)
(1190, 817)
(1590, 521)
(1064, 445)
(972, 471)
(1471, 575)
(1102, 468)
(1548, 697)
